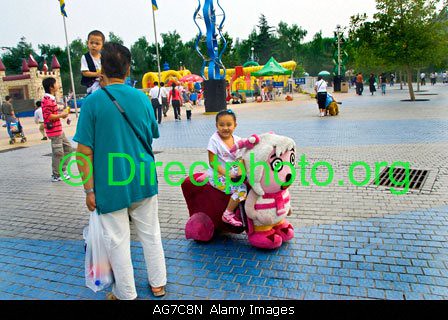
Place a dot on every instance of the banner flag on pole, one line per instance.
(62, 4)
(154, 5)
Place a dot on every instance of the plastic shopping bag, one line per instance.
(98, 270)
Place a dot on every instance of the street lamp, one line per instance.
(338, 31)
(252, 53)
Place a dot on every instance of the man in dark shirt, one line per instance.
(8, 114)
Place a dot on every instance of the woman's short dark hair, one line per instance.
(319, 78)
(115, 60)
(228, 112)
(48, 83)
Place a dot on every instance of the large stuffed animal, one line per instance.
(268, 201)
(270, 169)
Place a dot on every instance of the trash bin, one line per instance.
(337, 83)
(344, 87)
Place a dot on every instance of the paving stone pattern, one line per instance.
(350, 242)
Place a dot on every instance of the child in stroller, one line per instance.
(17, 132)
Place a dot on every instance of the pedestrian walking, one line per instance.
(321, 90)
(372, 84)
(359, 84)
(383, 83)
(392, 79)
(433, 78)
(422, 79)
(164, 95)
(39, 119)
(8, 115)
(175, 100)
(156, 101)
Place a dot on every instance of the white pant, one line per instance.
(117, 235)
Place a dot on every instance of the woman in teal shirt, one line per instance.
(123, 181)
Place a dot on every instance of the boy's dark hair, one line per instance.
(162, 84)
(38, 103)
(156, 84)
(224, 113)
(115, 60)
(7, 98)
(98, 34)
(48, 83)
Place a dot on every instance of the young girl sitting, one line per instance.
(219, 146)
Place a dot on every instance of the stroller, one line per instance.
(17, 132)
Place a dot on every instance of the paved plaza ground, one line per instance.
(350, 242)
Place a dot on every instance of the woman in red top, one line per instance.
(175, 99)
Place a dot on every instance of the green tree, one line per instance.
(143, 59)
(190, 58)
(243, 48)
(317, 55)
(289, 41)
(171, 49)
(13, 58)
(405, 34)
(265, 43)
(230, 57)
(114, 38)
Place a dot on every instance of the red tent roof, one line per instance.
(31, 62)
(25, 67)
(2, 66)
(55, 63)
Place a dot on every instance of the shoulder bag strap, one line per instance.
(319, 86)
(139, 137)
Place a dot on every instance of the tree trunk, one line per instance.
(418, 80)
(401, 81)
(411, 89)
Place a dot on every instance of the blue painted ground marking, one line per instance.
(31, 269)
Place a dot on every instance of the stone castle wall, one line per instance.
(34, 84)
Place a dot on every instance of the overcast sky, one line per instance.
(41, 23)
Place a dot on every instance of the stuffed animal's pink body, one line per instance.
(268, 201)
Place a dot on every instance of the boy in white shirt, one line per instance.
(91, 62)
(39, 119)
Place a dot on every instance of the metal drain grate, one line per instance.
(417, 178)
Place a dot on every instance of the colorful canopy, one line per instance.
(271, 68)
